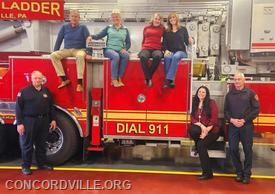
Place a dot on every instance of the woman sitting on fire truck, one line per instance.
(204, 129)
(151, 47)
(175, 40)
(118, 43)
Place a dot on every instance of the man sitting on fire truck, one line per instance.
(75, 36)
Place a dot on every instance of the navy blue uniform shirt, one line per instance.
(32, 103)
(241, 104)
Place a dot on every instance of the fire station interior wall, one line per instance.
(262, 33)
(12, 41)
(41, 35)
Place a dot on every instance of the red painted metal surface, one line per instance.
(96, 124)
(139, 111)
(266, 120)
(133, 111)
(5, 84)
(19, 76)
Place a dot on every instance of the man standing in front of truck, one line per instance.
(75, 36)
(240, 109)
(35, 116)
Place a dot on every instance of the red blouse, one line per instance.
(152, 36)
(205, 120)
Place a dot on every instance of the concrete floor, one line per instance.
(142, 170)
(12, 181)
(161, 159)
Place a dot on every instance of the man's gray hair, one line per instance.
(239, 74)
(74, 11)
(36, 72)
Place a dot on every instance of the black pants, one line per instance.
(202, 146)
(245, 136)
(36, 132)
(144, 56)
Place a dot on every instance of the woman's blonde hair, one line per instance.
(153, 16)
(116, 12)
(169, 25)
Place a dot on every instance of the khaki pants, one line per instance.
(57, 56)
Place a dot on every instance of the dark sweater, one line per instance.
(176, 41)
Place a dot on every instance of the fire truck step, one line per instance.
(217, 153)
(216, 150)
(169, 144)
(211, 153)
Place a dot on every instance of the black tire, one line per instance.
(3, 139)
(63, 142)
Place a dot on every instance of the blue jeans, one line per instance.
(171, 63)
(119, 62)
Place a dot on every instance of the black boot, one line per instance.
(205, 176)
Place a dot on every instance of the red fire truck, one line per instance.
(125, 115)
(226, 40)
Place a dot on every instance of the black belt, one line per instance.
(40, 116)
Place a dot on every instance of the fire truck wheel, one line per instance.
(3, 140)
(63, 142)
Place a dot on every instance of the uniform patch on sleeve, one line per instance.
(19, 94)
(256, 97)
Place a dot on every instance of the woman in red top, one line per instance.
(204, 128)
(151, 47)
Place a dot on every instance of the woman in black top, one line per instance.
(175, 40)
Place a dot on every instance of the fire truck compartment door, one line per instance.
(137, 111)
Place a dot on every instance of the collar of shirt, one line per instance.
(235, 91)
(114, 27)
(32, 86)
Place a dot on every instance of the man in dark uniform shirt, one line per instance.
(35, 116)
(240, 109)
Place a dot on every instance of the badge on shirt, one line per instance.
(19, 94)
(45, 95)
(256, 97)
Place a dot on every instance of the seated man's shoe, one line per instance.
(64, 83)
(79, 88)
(205, 177)
(246, 180)
(45, 167)
(239, 178)
(26, 171)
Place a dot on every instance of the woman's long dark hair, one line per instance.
(206, 102)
